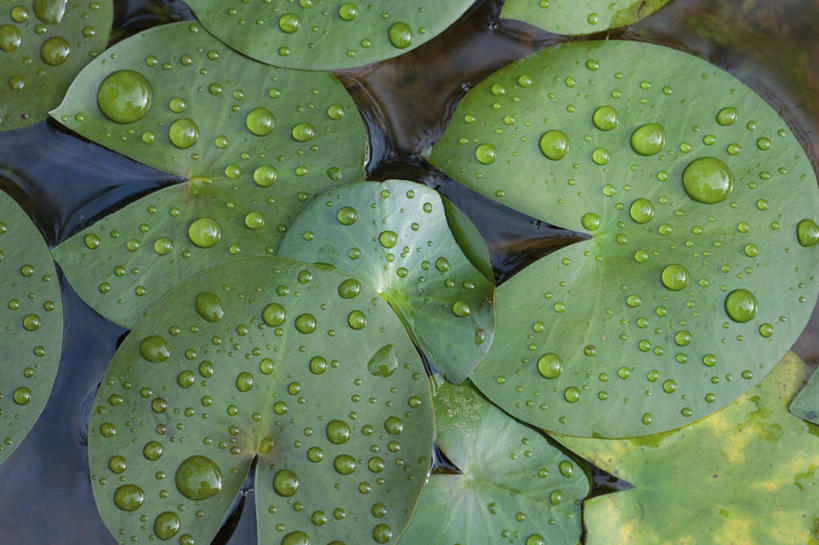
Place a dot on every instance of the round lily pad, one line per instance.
(746, 474)
(512, 482)
(395, 236)
(43, 45)
(31, 325)
(580, 16)
(324, 35)
(259, 359)
(254, 142)
(699, 273)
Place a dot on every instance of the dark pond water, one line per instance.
(66, 183)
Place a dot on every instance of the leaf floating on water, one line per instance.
(315, 35)
(698, 274)
(31, 325)
(580, 16)
(511, 479)
(745, 474)
(43, 45)
(256, 143)
(193, 396)
(397, 237)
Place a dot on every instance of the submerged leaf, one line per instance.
(806, 404)
(31, 325)
(43, 45)
(746, 474)
(701, 267)
(395, 237)
(580, 16)
(256, 360)
(255, 142)
(322, 35)
(511, 481)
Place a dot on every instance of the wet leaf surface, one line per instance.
(701, 269)
(580, 16)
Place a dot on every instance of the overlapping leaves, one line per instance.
(580, 16)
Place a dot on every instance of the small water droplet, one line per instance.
(155, 349)
(55, 50)
(400, 35)
(550, 366)
(554, 145)
(260, 121)
(129, 497)
(285, 483)
(605, 118)
(590, 221)
(306, 323)
(674, 277)
(648, 139)
(727, 116)
(641, 210)
(741, 305)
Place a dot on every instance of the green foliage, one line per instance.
(263, 358)
(580, 16)
(267, 141)
(324, 35)
(806, 404)
(31, 325)
(512, 483)
(43, 45)
(395, 237)
(745, 474)
(697, 276)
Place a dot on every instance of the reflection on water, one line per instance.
(66, 183)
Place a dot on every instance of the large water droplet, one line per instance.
(50, 11)
(807, 232)
(10, 38)
(205, 232)
(741, 305)
(285, 483)
(289, 23)
(400, 35)
(486, 154)
(648, 139)
(708, 180)
(347, 215)
(306, 323)
(296, 538)
(154, 349)
(348, 11)
(303, 132)
(554, 145)
(641, 210)
(550, 366)
(727, 116)
(605, 118)
(384, 362)
(674, 277)
(129, 497)
(344, 464)
(260, 121)
(183, 133)
(124, 96)
(338, 432)
(198, 478)
(274, 314)
(388, 239)
(209, 306)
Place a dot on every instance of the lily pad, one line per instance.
(43, 45)
(395, 237)
(256, 143)
(701, 267)
(324, 35)
(806, 404)
(263, 360)
(580, 16)
(31, 325)
(513, 486)
(746, 474)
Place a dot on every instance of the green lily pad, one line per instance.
(806, 404)
(580, 16)
(31, 325)
(746, 474)
(263, 142)
(674, 307)
(43, 45)
(323, 35)
(262, 359)
(513, 484)
(395, 237)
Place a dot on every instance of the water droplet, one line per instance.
(382, 533)
(566, 468)
(254, 220)
(554, 145)
(384, 362)
(285, 483)
(306, 323)
(601, 156)
(708, 180)
(205, 232)
(260, 121)
(669, 386)
(296, 538)
(178, 105)
(183, 133)
(648, 139)
(807, 232)
(166, 525)
(198, 478)
(763, 143)
(31, 322)
(344, 464)
(766, 330)
(674, 277)
(152, 451)
(274, 314)
(535, 539)
(155, 349)
(265, 175)
(356, 319)
(741, 305)
(349, 288)
(550, 366)
(129, 497)
(315, 454)
(22, 396)
(388, 239)
(641, 210)
(347, 215)
(461, 309)
(244, 381)
(605, 118)
(590, 221)
(393, 425)
(124, 96)
(727, 116)
(571, 394)
(10, 38)
(400, 35)
(337, 432)
(486, 154)
(289, 23)
(55, 50)
(751, 250)
(348, 11)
